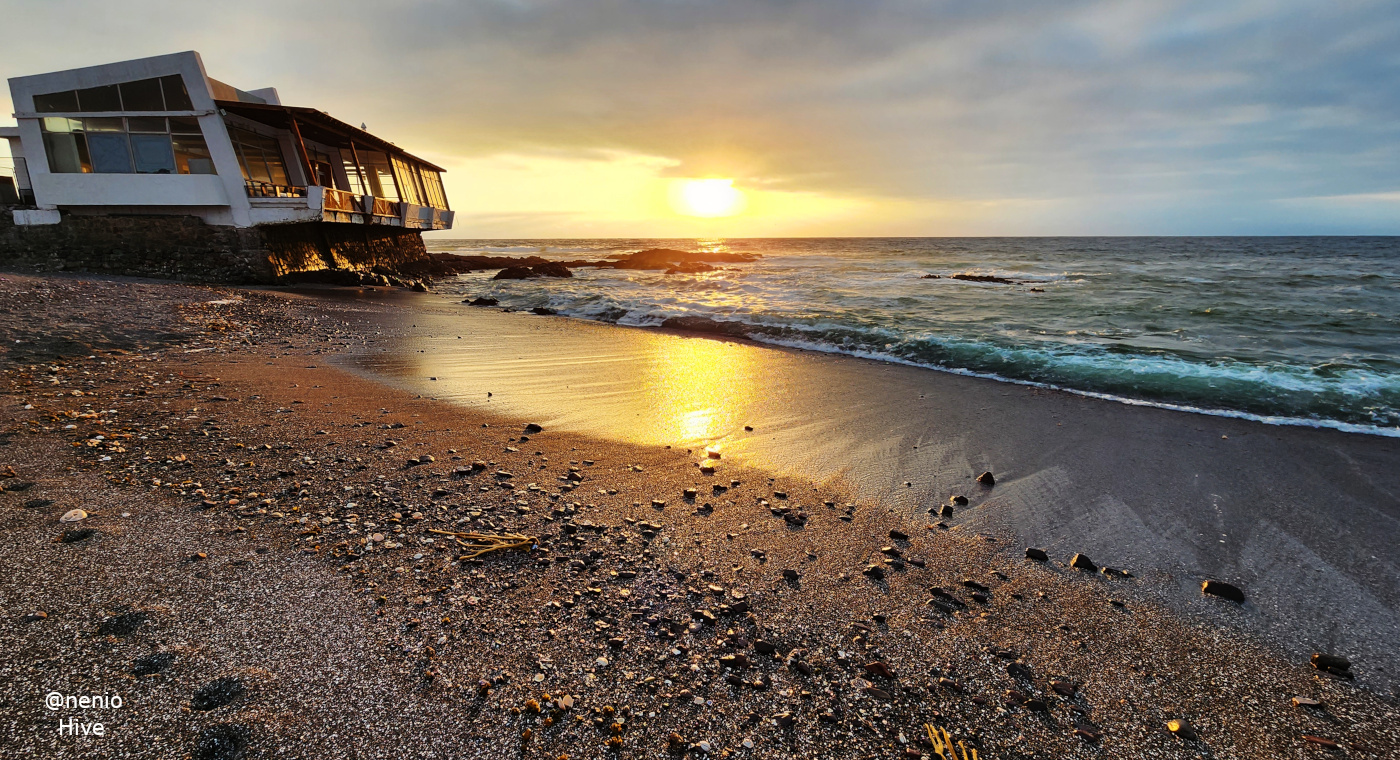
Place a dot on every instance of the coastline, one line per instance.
(414, 659)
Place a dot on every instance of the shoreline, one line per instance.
(382, 618)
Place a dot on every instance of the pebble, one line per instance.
(1083, 563)
(960, 501)
(73, 515)
(986, 479)
(1181, 729)
(1038, 555)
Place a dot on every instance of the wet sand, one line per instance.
(264, 573)
(1307, 521)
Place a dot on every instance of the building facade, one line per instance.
(158, 136)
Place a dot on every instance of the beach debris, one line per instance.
(477, 544)
(73, 515)
(1223, 590)
(1038, 555)
(942, 745)
(1305, 702)
(1181, 729)
(1082, 562)
(1331, 663)
(987, 479)
(1318, 740)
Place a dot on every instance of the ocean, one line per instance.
(1301, 331)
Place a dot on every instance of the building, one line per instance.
(158, 137)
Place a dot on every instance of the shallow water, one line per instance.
(1289, 330)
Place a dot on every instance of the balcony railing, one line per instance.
(340, 200)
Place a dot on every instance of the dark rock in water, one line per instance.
(515, 273)
(483, 302)
(1223, 590)
(551, 269)
(1038, 555)
(419, 287)
(694, 267)
(217, 694)
(986, 479)
(1083, 563)
(76, 535)
(982, 278)
(121, 625)
(899, 535)
(960, 501)
(706, 325)
(544, 311)
(152, 663)
(931, 277)
(225, 741)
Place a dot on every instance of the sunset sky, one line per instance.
(573, 118)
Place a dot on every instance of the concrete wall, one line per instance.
(182, 247)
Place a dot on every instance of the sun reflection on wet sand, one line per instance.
(700, 391)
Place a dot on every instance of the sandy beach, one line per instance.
(272, 481)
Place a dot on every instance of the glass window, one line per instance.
(176, 98)
(142, 95)
(145, 124)
(184, 125)
(67, 153)
(259, 156)
(110, 153)
(192, 155)
(61, 124)
(105, 98)
(56, 102)
(103, 124)
(153, 154)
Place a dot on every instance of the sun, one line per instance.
(706, 197)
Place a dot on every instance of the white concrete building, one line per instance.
(159, 136)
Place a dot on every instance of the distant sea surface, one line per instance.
(1285, 330)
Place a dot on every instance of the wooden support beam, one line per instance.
(305, 157)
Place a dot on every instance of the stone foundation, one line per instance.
(185, 248)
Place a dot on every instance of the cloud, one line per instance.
(1174, 105)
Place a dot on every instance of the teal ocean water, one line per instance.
(1285, 330)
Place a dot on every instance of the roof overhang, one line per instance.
(317, 125)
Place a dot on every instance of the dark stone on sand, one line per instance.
(1083, 563)
(969, 583)
(1181, 729)
(987, 479)
(1063, 688)
(946, 511)
(766, 647)
(534, 428)
(791, 575)
(1019, 670)
(224, 741)
(544, 311)
(155, 662)
(961, 501)
(734, 661)
(419, 287)
(899, 535)
(1223, 590)
(483, 302)
(75, 535)
(878, 668)
(38, 503)
(1038, 555)
(124, 624)
(1331, 663)
(874, 571)
(217, 693)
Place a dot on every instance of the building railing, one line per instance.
(268, 190)
(340, 200)
(385, 207)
